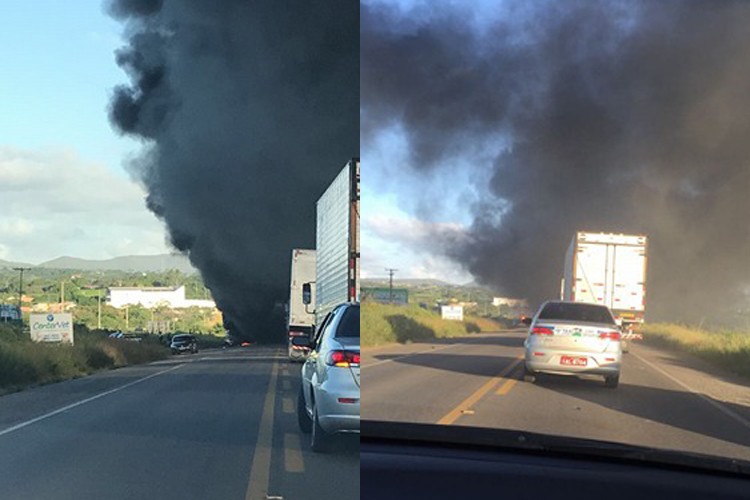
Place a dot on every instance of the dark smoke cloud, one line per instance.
(620, 116)
(247, 111)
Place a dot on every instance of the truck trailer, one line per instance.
(337, 242)
(609, 269)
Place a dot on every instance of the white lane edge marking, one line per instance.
(84, 401)
(726, 411)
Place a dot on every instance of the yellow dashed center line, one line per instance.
(287, 405)
(506, 387)
(260, 471)
(293, 453)
(467, 403)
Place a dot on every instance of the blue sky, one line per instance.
(64, 190)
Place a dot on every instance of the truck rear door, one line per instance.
(591, 273)
(629, 274)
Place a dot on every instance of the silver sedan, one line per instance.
(328, 402)
(573, 338)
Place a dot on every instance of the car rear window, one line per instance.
(589, 313)
(349, 325)
(181, 338)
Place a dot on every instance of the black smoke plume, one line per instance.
(622, 116)
(247, 111)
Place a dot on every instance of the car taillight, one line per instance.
(343, 359)
(542, 330)
(609, 335)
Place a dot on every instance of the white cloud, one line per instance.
(15, 227)
(56, 203)
(414, 232)
(393, 239)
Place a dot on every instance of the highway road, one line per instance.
(220, 424)
(665, 399)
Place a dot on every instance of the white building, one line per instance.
(150, 297)
(506, 301)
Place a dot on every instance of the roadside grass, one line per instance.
(479, 324)
(727, 349)
(384, 324)
(209, 341)
(25, 363)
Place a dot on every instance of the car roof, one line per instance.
(571, 302)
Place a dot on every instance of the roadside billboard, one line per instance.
(386, 295)
(9, 313)
(455, 313)
(51, 327)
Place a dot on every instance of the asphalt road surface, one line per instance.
(218, 425)
(666, 400)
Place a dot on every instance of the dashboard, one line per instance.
(396, 463)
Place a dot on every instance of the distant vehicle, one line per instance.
(609, 269)
(299, 348)
(184, 343)
(132, 337)
(329, 396)
(337, 244)
(301, 318)
(573, 338)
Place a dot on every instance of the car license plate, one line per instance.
(573, 361)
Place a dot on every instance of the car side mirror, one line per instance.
(526, 321)
(306, 294)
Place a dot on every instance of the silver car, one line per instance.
(328, 402)
(573, 338)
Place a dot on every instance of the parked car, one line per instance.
(184, 343)
(329, 400)
(125, 336)
(573, 338)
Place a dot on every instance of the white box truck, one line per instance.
(337, 243)
(301, 317)
(609, 269)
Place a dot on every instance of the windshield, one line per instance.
(589, 155)
(181, 338)
(587, 313)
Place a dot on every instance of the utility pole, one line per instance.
(127, 325)
(391, 272)
(99, 314)
(62, 293)
(20, 292)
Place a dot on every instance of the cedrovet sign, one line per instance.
(49, 327)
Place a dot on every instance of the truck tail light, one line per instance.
(343, 359)
(542, 330)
